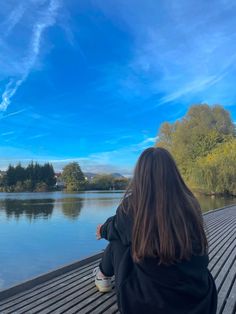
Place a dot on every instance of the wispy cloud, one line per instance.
(47, 19)
(181, 52)
(7, 133)
(14, 113)
(14, 18)
(119, 160)
(193, 87)
(37, 136)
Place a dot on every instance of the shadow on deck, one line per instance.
(71, 289)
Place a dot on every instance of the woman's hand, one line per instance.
(98, 232)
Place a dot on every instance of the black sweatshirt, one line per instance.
(185, 287)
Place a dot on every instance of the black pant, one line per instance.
(111, 258)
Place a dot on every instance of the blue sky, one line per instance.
(92, 80)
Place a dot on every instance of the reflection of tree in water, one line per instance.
(214, 202)
(32, 209)
(71, 207)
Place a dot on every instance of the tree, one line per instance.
(202, 130)
(73, 177)
(121, 183)
(34, 177)
(216, 172)
(48, 175)
(10, 176)
(103, 182)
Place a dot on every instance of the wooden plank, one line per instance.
(89, 297)
(52, 296)
(53, 282)
(215, 222)
(45, 277)
(40, 293)
(226, 235)
(211, 234)
(111, 310)
(57, 304)
(222, 242)
(105, 306)
(221, 257)
(224, 289)
(94, 305)
(220, 222)
(220, 210)
(230, 303)
(226, 267)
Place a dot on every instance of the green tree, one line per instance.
(20, 173)
(103, 182)
(34, 177)
(121, 183)
(73, 177)
(10, 177)
(48, 175)
(192, 139)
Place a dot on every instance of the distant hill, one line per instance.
(116, 175)
(90, 175)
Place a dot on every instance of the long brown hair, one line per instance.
(167, 219)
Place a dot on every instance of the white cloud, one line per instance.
(14, 113)
(120, 160)
(7, 133)
(37, 136)
(46, 20)
(193, 87)
(180, 51)
(14, 18)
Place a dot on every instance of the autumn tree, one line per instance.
(202, 130)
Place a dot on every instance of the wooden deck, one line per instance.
(70, 289)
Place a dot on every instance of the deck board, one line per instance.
(71, 289)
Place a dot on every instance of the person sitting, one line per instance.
(157, 249)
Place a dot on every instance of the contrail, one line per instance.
(46, 21)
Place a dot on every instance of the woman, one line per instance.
(158, 247)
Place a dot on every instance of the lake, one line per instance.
(42, 231)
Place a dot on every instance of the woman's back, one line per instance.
(163, 268)
(184, 287)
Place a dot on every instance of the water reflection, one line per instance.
(214, 202)
(71, 207)
(31, 208)
(34, 209)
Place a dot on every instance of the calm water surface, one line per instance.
(42, 231)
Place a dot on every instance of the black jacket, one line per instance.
(186, 287)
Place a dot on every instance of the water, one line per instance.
(42, 231)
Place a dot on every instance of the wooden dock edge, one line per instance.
(218, 209)
(31, 283)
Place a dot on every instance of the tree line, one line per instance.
(74, 180)
(41, 178)
(203, 144)
(33, 178)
